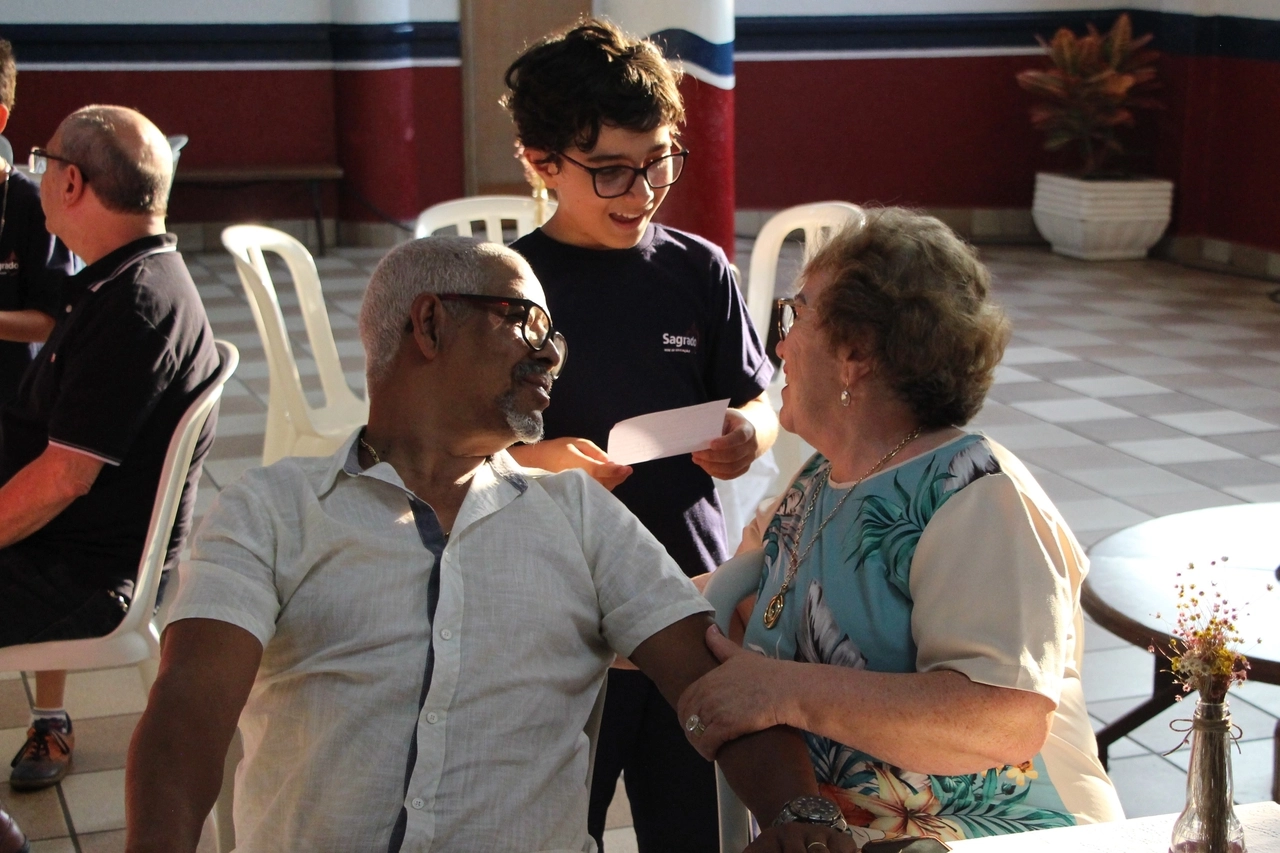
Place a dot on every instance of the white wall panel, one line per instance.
(225, 11)
(1263, 9)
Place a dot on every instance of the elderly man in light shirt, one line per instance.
(413, 632)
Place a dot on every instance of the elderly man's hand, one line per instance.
(561, 454)
(732, 453)
(802, 838)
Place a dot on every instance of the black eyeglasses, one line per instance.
(536, 327)
(615, 181)
(38, 162)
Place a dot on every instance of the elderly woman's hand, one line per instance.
(746, 693)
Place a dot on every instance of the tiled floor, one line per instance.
(1132, 390)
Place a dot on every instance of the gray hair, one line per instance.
(122, 155)
(427, 265)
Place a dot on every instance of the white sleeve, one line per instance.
(230, 575)
(994, 591)
(640, 588)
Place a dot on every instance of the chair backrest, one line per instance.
(526, 212)
(729, 584)
(135, 639)
(813, 219)
(294, 427)
(176, 143)
(6, 150)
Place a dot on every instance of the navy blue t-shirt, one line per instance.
(655, 327)
(32, 268)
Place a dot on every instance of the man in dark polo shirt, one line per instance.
(84, 442)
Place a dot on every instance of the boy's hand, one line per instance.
(561, 454)
(732, 453)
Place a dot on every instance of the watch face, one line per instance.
(814, 809)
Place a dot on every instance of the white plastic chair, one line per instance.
(294, 426)
(729, 584)
(815, 220)
(526, 211)
(136, 640)
(767, 475)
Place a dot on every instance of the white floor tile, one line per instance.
(1098, 513)
(105, 693)
(1263, 493)
(1221, 422)
(95, 800)
(1168, 451)
(1006, 375)
(1029, 436)
(1112, 386)
(1072, 411)
(622, 840)
(1122, 482)
(1035, 355)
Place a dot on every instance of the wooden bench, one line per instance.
(236, 176)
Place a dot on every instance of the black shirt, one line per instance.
(655, 327)
(32, 268)
(131, 350)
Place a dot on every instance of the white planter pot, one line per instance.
(1101, 220)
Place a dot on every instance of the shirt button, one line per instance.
(446, 634)
(433, 717)
(418, 802)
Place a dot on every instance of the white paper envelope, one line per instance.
(658, 435)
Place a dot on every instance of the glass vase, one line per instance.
(1209, 824)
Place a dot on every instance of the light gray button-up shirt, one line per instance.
(543, 578)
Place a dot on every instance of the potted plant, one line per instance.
(1091, 90)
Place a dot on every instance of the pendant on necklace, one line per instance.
(773, 611)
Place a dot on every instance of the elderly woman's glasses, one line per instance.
(536, 327)
(785, 308)
(616, 181)
(38, 162)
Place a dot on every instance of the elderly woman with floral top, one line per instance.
(918, 612)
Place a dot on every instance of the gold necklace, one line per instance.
(377, 460)
(773, 611)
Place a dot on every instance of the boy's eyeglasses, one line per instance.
(615, 181)
(535, 323)
(38, 162)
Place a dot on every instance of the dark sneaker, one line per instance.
(45, 758)
(11, 838)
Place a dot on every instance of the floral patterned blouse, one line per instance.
(977, 571)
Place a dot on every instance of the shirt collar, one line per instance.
(113, 263)
(501, 469)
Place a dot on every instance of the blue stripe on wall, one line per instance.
(716, 58)
(89, 43)
(1242, 38)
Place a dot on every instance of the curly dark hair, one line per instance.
(565, 87)
(8, 74)
(913, 296)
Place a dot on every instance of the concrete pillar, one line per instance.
(700, 35)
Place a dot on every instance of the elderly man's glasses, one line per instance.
(615, 181)
(38, 163)
(535, 323)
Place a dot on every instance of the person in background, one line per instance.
(33, 263)
(918, 612)
(83, 444)
(657, 323)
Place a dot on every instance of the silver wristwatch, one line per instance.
(811, 808)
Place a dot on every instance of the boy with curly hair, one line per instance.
(656, 322)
